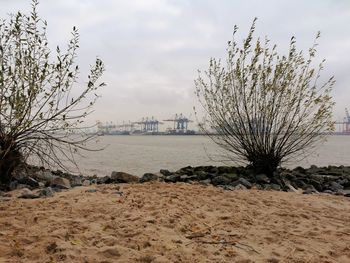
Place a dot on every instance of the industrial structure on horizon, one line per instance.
(148, 126)
(344, 126)
(180, 126)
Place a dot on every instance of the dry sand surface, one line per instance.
(160, 222)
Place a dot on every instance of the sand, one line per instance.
(158, 222)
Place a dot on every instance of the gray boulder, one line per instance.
(121, 177)
(205, 182)
(28, 181)
(104, 180)
(75, 181)
(243, 181)
(226, 169)
(172, 178)
(262, 178)
(44, 175)
(46, 192)
(61, 183)
(201, 175)
(239, 187)
(309, 189)
(165, 172)
(335, 187)
(274, 187)
(149, 177)
(220, 180)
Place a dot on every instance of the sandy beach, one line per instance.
(158, 222)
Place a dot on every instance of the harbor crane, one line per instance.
(180, 122)
(149, 124)
(347, 121)
(345, 124)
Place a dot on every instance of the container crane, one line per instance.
(180, 123)
(149, 124)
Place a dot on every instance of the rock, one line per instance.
(149, 177)
(344, 182)
(205, 182)
(343, 192)
(91, 191)
(299, 184)
(220, 180)
(46, 192)
(75, 181)
(239, 187)
(227, 187)
(201, 175)
(290, 188)
(242, 181)
(172, 178)
(208, 169)
(21, 186)
(104, 180)
(257, 187)
(262, 178)
(317, 184)
(300, 169)
(86, 183)
(27, 194)
(335, 187)
(188, 170)
(309, 189)
(187, 178)
(231, 176)
(44, 175)
(59, 182)
(28, 181)
(227, 170)
(13, 185)
(165, 172)
(94, 181)
(57, 189)
(121, 177)
(328, 192)
(275, 187)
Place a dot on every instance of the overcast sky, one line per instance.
(153, 48)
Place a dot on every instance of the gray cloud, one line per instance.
(152, 49)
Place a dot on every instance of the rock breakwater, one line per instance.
(35, 182)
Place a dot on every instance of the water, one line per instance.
(140, 154)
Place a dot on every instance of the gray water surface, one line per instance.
(140, 154)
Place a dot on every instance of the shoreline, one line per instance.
(331, 179)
